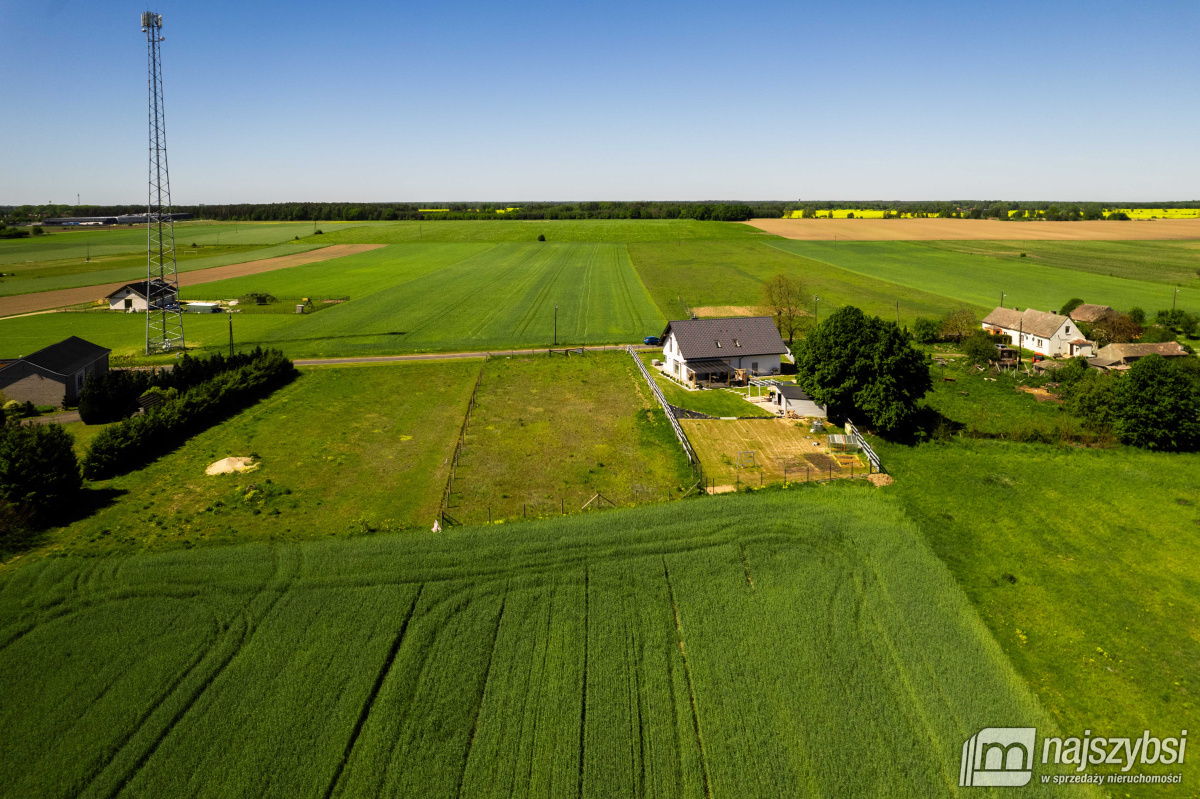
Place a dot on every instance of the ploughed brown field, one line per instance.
(45, 300)
(976, 230)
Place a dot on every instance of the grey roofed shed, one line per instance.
(701, 339)
(795, 398)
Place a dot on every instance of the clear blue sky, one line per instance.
(409, 101)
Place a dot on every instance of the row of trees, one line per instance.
(354, 212)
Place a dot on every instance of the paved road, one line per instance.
(446, 356)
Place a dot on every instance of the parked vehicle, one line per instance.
(651, 340)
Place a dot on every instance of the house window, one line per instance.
(754, 367)
(128, 302)
(79, 381)
(718, 344)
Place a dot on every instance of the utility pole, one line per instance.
(897, 313)
(231, 333)
(816, 309)
(1021, 343)
(556, 324)
(1174, 297)
(1002, 299)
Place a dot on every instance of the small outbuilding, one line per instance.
(1116, 356)
(1091, 313)
(54, 375)
(796, 399)
(132, 297)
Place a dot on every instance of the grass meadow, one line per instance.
(699, 274)
(703, 648)
(404, 298)
(976, 280)
(1082, 562)
(549, 433)
(1172, 262)
(342, 451)
(590, 231)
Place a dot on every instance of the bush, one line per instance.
(980, 348)
(541, 237)
(37, 230)
(1069, 306)
(133, 442)
(1137, 315)
(926, 330)
(38, 468)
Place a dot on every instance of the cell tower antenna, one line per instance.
(164, 317)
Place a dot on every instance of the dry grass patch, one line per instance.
(777, 444)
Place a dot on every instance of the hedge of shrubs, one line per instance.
(131, 443)
(112, 396)
(39, 474)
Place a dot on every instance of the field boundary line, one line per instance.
(692, 457)
(462, 440)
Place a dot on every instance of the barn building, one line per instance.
(1119, 356)
(131, 297)
(708, 350)
(54, 375)
(1046, 333)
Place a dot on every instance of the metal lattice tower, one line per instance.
(164, 317)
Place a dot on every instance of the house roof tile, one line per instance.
(1036, 323)
(67, 356)
(726, 338)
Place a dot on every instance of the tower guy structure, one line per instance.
(164, 317)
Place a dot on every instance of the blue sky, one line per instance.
(542, 101)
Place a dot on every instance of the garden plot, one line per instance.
(777, 445)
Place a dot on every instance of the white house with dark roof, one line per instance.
(131, 297)
(696, 350)
(1046, 333)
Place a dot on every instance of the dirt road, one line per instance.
(45, 300)
(976, 230)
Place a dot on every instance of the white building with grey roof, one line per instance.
(703, 350)
(1046, 333)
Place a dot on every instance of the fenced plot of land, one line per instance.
(696, 650)
(549, 433)
(342, 450)
(777, 444)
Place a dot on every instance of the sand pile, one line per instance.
(231, 465)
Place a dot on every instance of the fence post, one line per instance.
(785, 477)
(489, 514)
(562, 506)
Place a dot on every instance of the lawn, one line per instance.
(716, 402)
(712, 647)
(1083, 563)
(978, 280)
(681, 276)
(549, 433)
(603, 231)
(342, 451)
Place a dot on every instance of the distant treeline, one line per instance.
(353, 212)
(717, 211)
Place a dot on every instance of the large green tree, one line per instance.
(1157, 406)
(857, 365)
(38, 468)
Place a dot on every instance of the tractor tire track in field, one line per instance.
(283, 584)
(487, 674)
(687, 672)
(384, 669)
(583, 704)
(554, 271)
